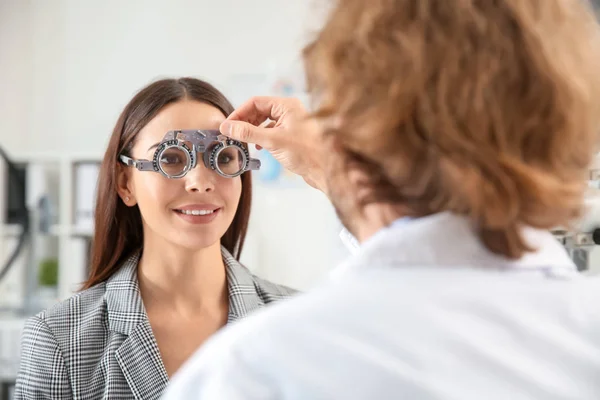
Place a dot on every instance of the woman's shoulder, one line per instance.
(82, 311)
(241, 278)
(270, 291)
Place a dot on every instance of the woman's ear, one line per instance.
(124, 187)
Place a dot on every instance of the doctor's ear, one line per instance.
(124, 187)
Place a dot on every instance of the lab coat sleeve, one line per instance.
(219, 374)
(42, 371)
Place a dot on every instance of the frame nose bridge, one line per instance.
(201, 153)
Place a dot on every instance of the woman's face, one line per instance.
(194, 211)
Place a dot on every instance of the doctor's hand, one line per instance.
(291, 136)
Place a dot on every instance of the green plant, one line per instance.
(48, 273)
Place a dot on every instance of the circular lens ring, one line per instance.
(222, 146)
(167, 146)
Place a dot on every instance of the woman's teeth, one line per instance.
(196, 212)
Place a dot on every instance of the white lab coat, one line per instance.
(423, 311)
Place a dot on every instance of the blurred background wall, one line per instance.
(67, 68)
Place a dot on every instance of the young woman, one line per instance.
(165, 273)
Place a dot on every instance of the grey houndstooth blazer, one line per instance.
(98, 344)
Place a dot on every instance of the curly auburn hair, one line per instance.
(485, 108)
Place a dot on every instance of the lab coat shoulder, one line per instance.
(394, 319)
(383, 323)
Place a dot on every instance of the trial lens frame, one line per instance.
(201, 141)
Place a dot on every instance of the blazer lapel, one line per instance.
(138, 355)
(141, 364)
(243, 296)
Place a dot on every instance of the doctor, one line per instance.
(450, 136)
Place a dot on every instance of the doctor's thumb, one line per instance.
(244, 132)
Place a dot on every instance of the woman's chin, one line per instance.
(195, 242)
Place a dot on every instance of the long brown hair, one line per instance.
(118, 230)
(488, 109)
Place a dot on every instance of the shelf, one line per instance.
(78, 231)
(10, 230)
(55, 230)
(56, 158)
(61, 230)
(68, 237)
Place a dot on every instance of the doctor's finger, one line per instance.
(261, 108)
(246, 132)
(269, 125)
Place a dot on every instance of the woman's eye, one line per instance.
(224, 159)
(170, 159)
(228, 156)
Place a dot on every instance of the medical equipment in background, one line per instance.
(178, 153)
(25, 239)
(21, 214)
(13, 190)
(585, 235)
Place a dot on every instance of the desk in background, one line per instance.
(7, 390)
(11, 327)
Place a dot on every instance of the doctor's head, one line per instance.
(146, 207)
(488, 109)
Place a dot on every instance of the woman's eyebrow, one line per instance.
(153, 146)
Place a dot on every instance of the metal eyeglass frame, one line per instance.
(201, 140)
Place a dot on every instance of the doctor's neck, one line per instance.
(373, 218)
(186, 278)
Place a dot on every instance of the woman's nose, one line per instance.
(200, 179)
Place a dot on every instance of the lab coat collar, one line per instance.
(449, 240)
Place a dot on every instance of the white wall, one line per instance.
(16, 69)
(67, 67)
(70, 65)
